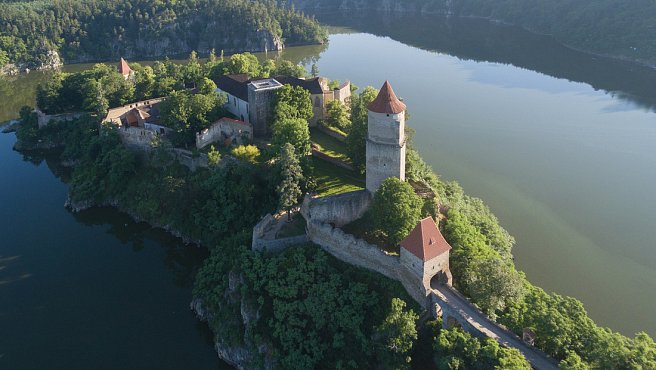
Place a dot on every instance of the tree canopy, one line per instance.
(396, 209)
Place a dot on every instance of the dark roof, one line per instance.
(426, 241)
(235, 85)
(386, 101)
(313, 85)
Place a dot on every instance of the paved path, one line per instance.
(458, 304)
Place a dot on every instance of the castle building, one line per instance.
(385, 138)
(425, 253)
(250, 99)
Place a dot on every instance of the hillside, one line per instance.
(81, 31)
(621, 29)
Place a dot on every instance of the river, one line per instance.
(560, 144)
(90, 290)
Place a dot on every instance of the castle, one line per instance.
(423, 260)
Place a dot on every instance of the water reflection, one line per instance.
(180, 259)
(483, 41)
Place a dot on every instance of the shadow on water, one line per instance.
(481, 40)
(181, 259)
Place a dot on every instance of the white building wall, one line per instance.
(236, 106)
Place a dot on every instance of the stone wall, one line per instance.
(44, 119)
(261, 244)
(225, 129)
(324, 217)
(137, 137)
(355, 251)
(338, 210)
(331, 133)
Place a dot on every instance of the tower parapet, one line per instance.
(385, 138)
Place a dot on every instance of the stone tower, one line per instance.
(385, 139)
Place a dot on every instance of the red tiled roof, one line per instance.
(124, 68)
(426, 241)
(386, 101)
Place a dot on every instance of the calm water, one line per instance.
(558, 143)
(89, 291)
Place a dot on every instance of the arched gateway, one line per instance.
(425, 253)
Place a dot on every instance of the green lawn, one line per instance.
(333, 180)
(329, 145)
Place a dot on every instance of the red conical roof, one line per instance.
(426, 241)
(386, 101)
(124, 68)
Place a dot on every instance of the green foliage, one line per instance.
(213, 156)
(247, 153)
(294, 131)
(186, 114)
(293, 102)
(494, 284)
(321, 313)
(106, 30)
(356, 140)
(396, 209)
(396, 336)
(456, 349)
(289, 189)
(92, 90)
(338, 116)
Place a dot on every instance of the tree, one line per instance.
(573, 362)
(193, 69)
(315, 70)
(396, 209)
(356, 139)
(206, 86)
(213, 157)
(289, 189)
(338, 116)
(396, 334)
(186, 114)
(243, 63)
(4, 58)
(94, 99)
(293, 102)
(145, 83)
(247, 153)
(294, 131)
(493, 282)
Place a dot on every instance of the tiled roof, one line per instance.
(426, 241)
(386, 101)
(235, 85)
(124, 68)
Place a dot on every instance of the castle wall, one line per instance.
(338, 210)
(137, 137)
(355, 251)
(224, 128)
(383, 161)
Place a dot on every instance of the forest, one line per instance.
(83, 31)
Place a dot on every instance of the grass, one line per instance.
(329, 145)
(295, 227)
(333, 180)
